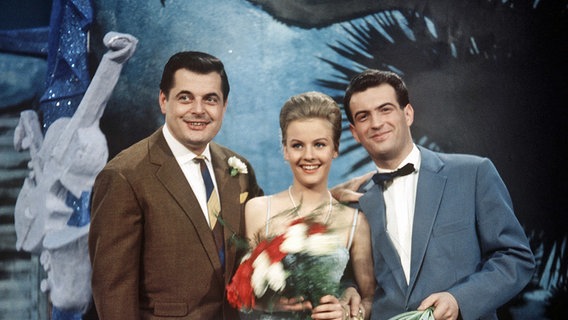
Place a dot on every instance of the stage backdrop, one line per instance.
(485, 77)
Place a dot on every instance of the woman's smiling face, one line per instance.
(309, 149)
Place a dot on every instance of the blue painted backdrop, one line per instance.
(485, 77)
(267, 61)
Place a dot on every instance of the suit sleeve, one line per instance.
(254, 189)
(507, 261)
(114, 247)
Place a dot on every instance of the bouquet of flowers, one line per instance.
(292, 264)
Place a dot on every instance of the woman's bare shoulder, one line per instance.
(257, 201)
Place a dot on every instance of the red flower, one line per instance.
(240, 292)
(273, 249)
(317, 228)
(258, 250)
(297, 221)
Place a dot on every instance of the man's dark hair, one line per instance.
(373, 78)
(198, 62)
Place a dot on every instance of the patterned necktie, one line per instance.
(382, 178)
(213, 207)
(210, 192)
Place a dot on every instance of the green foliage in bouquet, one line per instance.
(309, 277)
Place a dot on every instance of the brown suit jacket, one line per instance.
(152, 252)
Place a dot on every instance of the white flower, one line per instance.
(259, 274)
(320, 244)
(276, 276)
(295, 238)
(237, 166)
(267, 274)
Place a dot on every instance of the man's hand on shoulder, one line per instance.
(348, 191)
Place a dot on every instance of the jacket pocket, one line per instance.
(450, 228)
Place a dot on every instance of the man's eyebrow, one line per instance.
(386, 104)
(183, 92)
(212, 94)
(375, 107)
(207, 95)
(379, 106)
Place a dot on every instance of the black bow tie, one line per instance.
(382, 178)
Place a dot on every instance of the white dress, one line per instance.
(340, 258)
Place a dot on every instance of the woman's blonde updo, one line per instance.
(310, 105)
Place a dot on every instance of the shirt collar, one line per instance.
(413, 157)
(182, 153)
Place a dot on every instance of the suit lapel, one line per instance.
(373, 205)
(428, 198)
(429, 194)
(229, 193)
(173, 179)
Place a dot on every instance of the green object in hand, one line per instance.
(427, 314)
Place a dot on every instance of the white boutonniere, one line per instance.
(237, 166)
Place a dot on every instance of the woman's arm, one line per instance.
(362, 260)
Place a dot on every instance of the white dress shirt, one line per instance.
(400, 199)
(191, 169)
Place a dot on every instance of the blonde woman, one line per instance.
(310, 125)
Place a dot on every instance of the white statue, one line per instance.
(52, 214)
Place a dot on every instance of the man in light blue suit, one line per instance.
(444, 233)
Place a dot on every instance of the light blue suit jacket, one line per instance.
(466, 240)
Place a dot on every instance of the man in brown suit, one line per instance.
(151, 245)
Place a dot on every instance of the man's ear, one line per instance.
(162, 98)
(354, 133)
(409, 114)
